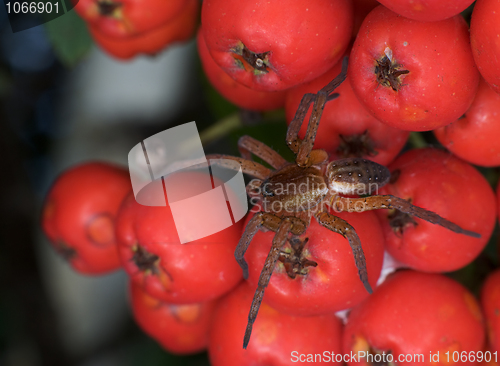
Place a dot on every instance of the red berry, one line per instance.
(125, 18)
(179, 29)
(347, 129)
(277, 339)
(274, 45)
(484, 31)
(439, 182)
(180, 329)
(154, 257)
(79, 215)
(474, 137)
(411, 317)
(429, 10)
(333, 284)
(235, 92)
(409, 74)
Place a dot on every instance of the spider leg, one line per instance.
(248, 167)
(304, 147)
(248, 146)
(332, 97)
(279, 240)
(342, 227)
(250, 230)
(400, 204)
(292, 134)
(269, 221)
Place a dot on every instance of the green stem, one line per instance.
(221, 128)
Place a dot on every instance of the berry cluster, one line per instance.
(413, 66)
(126, 28)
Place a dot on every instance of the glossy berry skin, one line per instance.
(490, 302)
(180, 329)
(235, 92)
(277, 339)
(153, 256)
(126, 18)
(427, 10)
(439, 182)
(79, 215)
(334, 283)
(400, 67)
(416, 313)
(475, 136)
(347, 129)
(484, 30)
(179, 29)
(274, 45)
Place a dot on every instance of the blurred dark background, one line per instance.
(56, 112)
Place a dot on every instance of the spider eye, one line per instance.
(266, 191)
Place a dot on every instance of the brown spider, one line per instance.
(294, 192)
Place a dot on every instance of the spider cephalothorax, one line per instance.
(293, 193)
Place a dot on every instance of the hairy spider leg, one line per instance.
(400, 204)
(250, 230)
(248, 167)
(278, 241)
(269, 221)
(304, 147)
(342, 227)
(292, 134)
(248, 146)
(282, 226)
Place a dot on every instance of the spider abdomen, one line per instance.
(356, 176)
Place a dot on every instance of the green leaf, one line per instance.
(70, 38)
